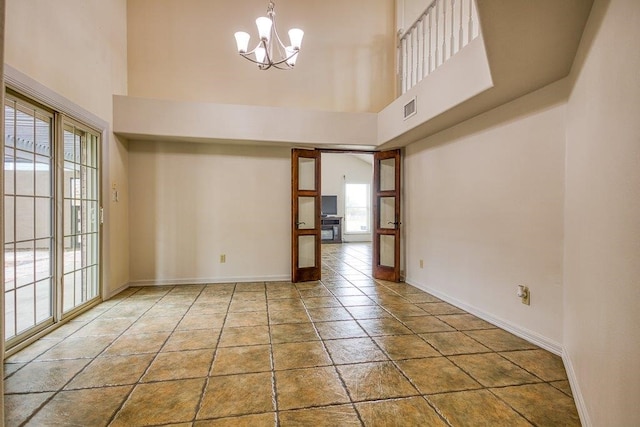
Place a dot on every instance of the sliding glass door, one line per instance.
(51, 217)
(28, 218)
(81, 213)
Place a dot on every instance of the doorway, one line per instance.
(342, 201)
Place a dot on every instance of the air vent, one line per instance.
(410, 109)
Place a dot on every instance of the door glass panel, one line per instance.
(387, 175)
(387, 250)
(306, 174)
(306, 251)
(387, 212)
(306, 213)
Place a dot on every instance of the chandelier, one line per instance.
(270, 51)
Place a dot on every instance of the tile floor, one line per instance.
(344, 351)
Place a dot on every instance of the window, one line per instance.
(357, 208)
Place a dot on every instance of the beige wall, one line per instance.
(484, 210)
(191, 203)
(602, 216)
(81, 54)
(185, 50)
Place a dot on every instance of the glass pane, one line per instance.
(387, 250)
(92, 151)
(79, 287)
(94, 214)
(24, 173)
(43, 217)
(9, 314)
(25, 131)
(8, 219)
(68, 295)
(306, 213)
(69, 254)
(43, 300)
(25, 307)
(24, 218)
(387, 175)
(91, 249)
(387, 212)
(43, 176)
(306, 251)
(43, 259)
(9, 125)
(92, 184)
(306, 174)
(69, 144)
(43, 135)
(92, 279)
(25, 260)
(9, 170)
(9, 267)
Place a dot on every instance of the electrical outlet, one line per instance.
(421, 263)
(223, 259)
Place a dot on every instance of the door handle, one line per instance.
(396, 223)
(300, 223)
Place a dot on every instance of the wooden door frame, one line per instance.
(380, 271)
(308, 273)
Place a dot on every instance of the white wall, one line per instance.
(191, 203)
(78, 49)
(339, 169)
(484, 211)
(602, 217)
(185, 50)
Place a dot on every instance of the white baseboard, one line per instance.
(533, 337)
(204, 281)
(575, 390)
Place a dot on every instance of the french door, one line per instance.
(305, 215)
(51, 217)
(305, 218)
(386, 208)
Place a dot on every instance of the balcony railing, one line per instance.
(443, 29)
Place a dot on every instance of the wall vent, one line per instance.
(410, 108)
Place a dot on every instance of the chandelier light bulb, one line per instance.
(260, 55)
(292, 55)
(264, 28)
(295, 36)
(242, 40)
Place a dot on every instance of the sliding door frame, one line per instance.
(36, 93)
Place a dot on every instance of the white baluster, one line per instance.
(460, 31)
(404, 64)
(420, 47)
(437, 35)
(452, 44)
(470, 35)
(430, 28)
(444, 30)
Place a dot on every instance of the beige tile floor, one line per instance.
(345, 351)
